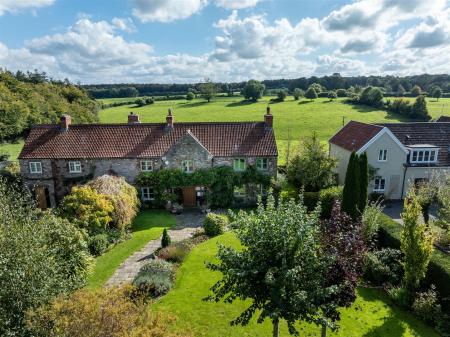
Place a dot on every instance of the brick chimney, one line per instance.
(268, 119)
(169, 120)
(64, 122)
(133, 119)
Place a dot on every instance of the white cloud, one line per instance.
(14, 6)
(236, 4)
(249, 46)
(165, 10)
(126, 25)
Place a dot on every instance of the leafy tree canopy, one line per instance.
(253, 90)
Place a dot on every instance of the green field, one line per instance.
(148, 225)
(370, 316)
(292, 119)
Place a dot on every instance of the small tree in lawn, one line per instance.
(279, 269)
(416, 243)
(297, 93)
(208, 90)
(400, 91)
(165, 240)
(332, 95)
(416, 91)
(351, 193)
(190, 96)
(364, 181)
(311, 93)
(419, 109)
(281, 94)
(436, 92)
(343, 243)
(253, 90)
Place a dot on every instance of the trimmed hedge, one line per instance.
(439, 268)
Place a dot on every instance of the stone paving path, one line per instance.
(187, 224)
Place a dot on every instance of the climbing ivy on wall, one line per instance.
(220, 180)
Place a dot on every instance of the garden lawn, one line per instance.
(13, 149)
(370, 316)
(292, 119)
(148, 225)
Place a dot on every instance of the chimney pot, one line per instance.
(64, 122)
(133, 119)
(169, 120)
(268, 119)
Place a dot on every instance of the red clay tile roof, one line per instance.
(146, 140)
(443, 119)
(355, 135)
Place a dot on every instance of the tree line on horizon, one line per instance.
(391, 84)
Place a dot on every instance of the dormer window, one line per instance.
(423, 156)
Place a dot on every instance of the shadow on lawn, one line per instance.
(240, 103)
(304, 102)
(394, 324)
(193, 105)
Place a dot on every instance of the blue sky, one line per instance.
(226, 40)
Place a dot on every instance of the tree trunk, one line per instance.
(275, 328)
(324, 330)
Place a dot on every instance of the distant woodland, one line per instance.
(33, 98)
(391, 84)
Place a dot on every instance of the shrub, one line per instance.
(289, 192)
(383, 267)
(41, 256)
(215, 224)
(310, 200)
(400, 296)
(341, 93)
(108, 312)
(123, 197)
(371, 221)
(327, 197)
(174, 253)
(281, 94)
(438, 272)
(165, 240)
(190, 96)
(426, 305)
(98, 244)
(87, 208)
(155, 278)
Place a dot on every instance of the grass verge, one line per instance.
(370, 316)
(148, 225)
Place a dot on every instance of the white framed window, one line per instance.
(187, 166)
(380, 184)
(382, 155)
(239, 164)
(146, 166)
(262, 164)
(424, 156)
(74, 166)
(147, 193)
(239, 192)
(35, 167)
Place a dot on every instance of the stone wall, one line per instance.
(188, 148)
(59, 181)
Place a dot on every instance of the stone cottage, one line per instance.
(56, 157)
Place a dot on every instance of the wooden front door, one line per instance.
(189, 199)
(41, 197)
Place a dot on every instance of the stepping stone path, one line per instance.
(186, 224)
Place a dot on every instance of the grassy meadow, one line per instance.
(370, 316)
(292, 119)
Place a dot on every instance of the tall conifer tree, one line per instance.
(351, 193)
(364, 181)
